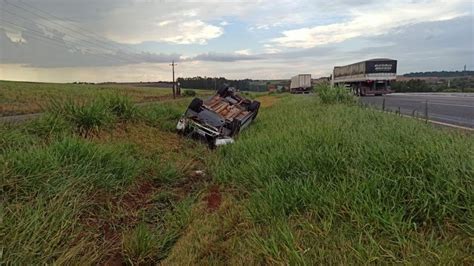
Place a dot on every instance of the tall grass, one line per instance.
(31, 97)
(357, 184)
(45, 190)
(146, 244)
(164, 115)
(88, 118)
(337, 94)
(63, 195)
(122, 107)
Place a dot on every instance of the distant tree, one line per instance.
(441, 74)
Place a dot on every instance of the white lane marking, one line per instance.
(431, 121)
(448, 95)
(458, 105)
(429, 102)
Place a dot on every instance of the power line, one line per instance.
(94, 45)
(37, 34)
(97, 40)
(97, 37)
(75, 43)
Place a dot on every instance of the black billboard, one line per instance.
(381, 66)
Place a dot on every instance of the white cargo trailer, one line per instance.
(300, 83)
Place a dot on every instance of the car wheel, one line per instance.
(254, 106)
(196, 105)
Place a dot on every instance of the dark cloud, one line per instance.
(41, 50)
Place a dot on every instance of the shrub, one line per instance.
(189, 93)
(337, 94)
(49, 125)
(87, 118)
(122, 107)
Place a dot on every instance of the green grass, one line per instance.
(331, 95)
(337, 183)
(67, 199)
(308, 182)
(31, 97)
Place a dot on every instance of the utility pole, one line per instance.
(174, 83)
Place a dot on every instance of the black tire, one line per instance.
(211, 142)
(223, 92)
(254, 106)
(196, 105)
(235, 127)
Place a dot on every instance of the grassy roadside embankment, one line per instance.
(306, 183)
(100, 182)
(330, 183)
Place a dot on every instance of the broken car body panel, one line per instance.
(218, 119)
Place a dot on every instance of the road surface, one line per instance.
(451, 108)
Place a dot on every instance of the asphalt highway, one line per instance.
(450, 108)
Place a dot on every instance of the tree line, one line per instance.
(417, 85)
(441, 74)
(212, 83)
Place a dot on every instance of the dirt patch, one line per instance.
(125, 209)
(267, 101)
(213, 198)
(115, 260)
(111, 215)
(139, 197)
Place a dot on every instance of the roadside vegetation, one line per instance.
(29, 97)
(97, 182)
(314, 183)
(104, 181)
(435, 84)
(329, 95)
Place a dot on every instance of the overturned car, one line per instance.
(218, 119)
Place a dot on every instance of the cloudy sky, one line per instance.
(135, 40)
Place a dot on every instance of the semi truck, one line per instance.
(300, 83)
(369, 77)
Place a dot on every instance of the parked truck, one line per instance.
(300, 83)
(369, 77)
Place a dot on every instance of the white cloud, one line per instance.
(180, 22)
(272, 50)
(371, 21)
(194, 31)
(164, 23)
(15, 37)
(243, 52)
